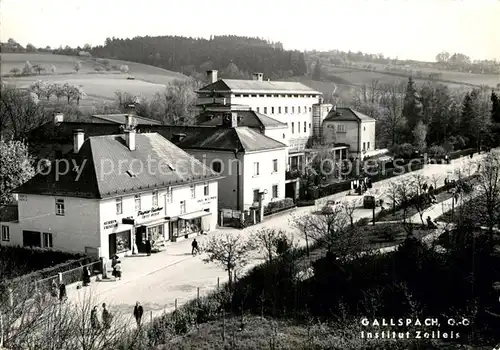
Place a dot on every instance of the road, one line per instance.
(157, 281)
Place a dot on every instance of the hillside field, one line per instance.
(97, 85)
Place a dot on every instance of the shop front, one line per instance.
(188, 224)
(119, 237)
(149, 226)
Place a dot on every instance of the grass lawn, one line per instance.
(398, 216)
(389, 234)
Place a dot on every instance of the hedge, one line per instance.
(277, 206)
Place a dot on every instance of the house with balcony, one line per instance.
(346, 126)
(290, 103)
(113, 193)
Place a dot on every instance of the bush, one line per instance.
(436, 152)
(276, 206)
(306, 202)
(462, 153)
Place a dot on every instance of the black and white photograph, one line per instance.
(249, 175)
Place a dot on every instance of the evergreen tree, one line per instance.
(316, 75)
(412, 110)
(467, 118)
(495, 108)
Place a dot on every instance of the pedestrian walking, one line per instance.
(62, 292)
(106, 317)
(86, 276)
(138, 311)
(424, 187)
(118, 270)
(148, 247)
(194, 247)
(94, 320)
(431, 188)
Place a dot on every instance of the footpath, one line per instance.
(157, 281)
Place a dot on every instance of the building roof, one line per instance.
(235, 85)
(220, 138)
(110, 169)
(346, 114)
(121, 119)
(247, 118)
(63, 132)
(9, 213)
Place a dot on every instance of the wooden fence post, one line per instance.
(151, 316)
(218, 281)
(175, 304)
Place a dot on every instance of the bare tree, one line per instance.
(330, 229)
(266, 241)
(231, 251)
(436, 179)
(401, 194)
(124, 68)
(349, 207)
(488, 191)
(38, 68)
(15, 71)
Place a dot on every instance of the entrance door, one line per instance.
(140, 239)
(112, 244)
(290, 190)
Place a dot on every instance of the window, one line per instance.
(256, 168)
(60, 207)
(279, 110)
(305, 109)
(256, 195)
(272, 110)
(206, 189)
(217, 166)
(368, 146)
(298, 109)
(310, 109)
(47, 240)
(137, 200)
(275, 191)
(183, 207)
(340, 128)
(286, 110)
(193, 191)
(309, 126)
(275, 165)
(119, 207)
(169, 196)
(265, 110)
(5, 233)
(293, 127)
(364, 128)
(305, 127)
(155, 199)
(258, 109)
(364, 146)
(293, 109)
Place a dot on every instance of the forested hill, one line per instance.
(233, 56)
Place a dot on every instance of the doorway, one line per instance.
(140, 239)
(112, 244)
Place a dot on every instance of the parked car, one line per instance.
(130, 77)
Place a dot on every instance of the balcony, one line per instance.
(292, 174)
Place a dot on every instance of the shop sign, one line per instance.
(206, 200)
(110, 224)
(144, 214)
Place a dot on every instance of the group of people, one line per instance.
(429, 191)
(362, 185)
(58, 291)
(106, 318)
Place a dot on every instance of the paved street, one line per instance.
(158, 280)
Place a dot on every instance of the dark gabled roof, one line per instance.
(236, 85)
(106, 160)
(346, 114)
(63, 132)
(242, 138)
(121, 119)
(9, 213)
(250, 119)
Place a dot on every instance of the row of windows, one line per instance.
(5, 233)
(279, 110)
(277, 95)
(274, 193)
(366, 146)
(298, 127)
(256, 167)
(60, 208)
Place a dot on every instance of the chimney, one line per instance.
(258, 76)
(230, 120)
(212, 76)
(78, 138)
(58, 117)
(130, 139)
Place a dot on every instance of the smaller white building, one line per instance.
(349, 127)
(115, 193)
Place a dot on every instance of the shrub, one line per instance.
(276, 206)
(436, 152)
(305, 202)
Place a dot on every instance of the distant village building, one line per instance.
(121, 190)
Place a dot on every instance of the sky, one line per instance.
(407, 29)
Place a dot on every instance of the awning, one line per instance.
(194, 215)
